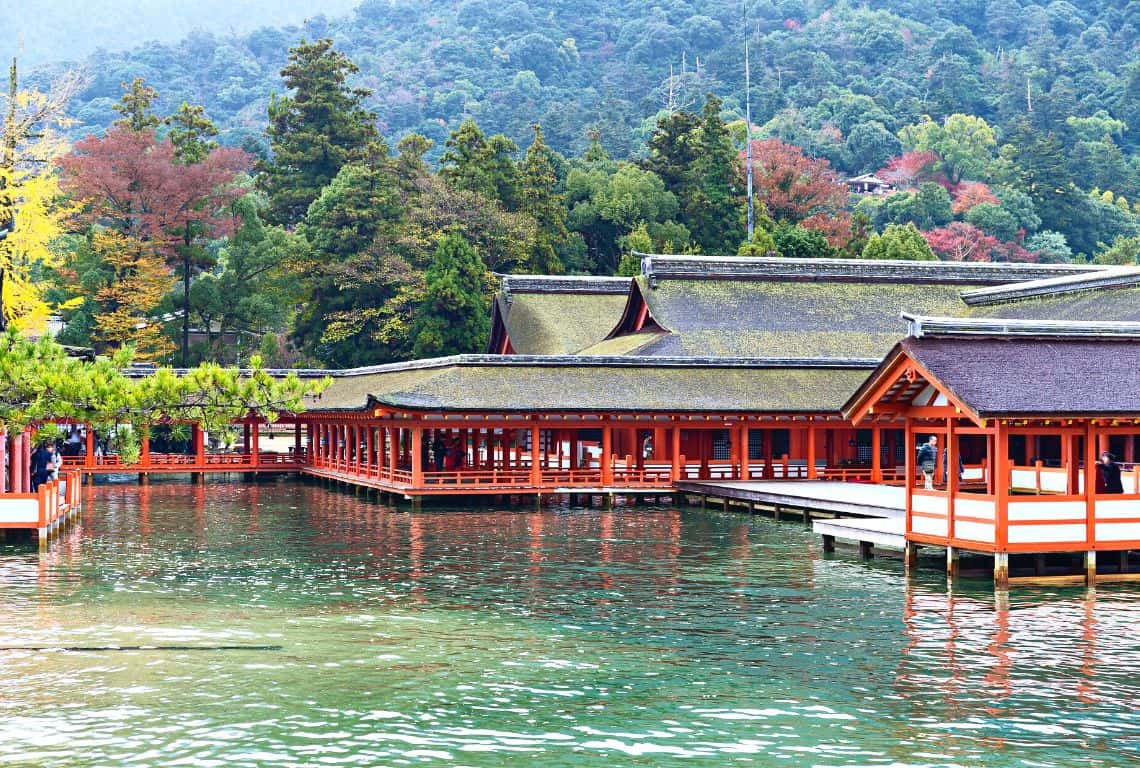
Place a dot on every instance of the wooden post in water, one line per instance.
(1001, 571)
(1090, 568)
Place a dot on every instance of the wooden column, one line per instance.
(607, 454)
(658, 443)
(951, 452)
(677, 469)
(535, 466)
(572, 463)
(255, 442)
(1093, 438)
(393, 448)
(811, 472)
(1001, 493)
(745, 454)
(297, 441)
(199, 444)
(89, 448)
(631, 437)
(417, 456)
(144, 446)
(245, 437)
(909, 459)
(5, 471)
(876, 454)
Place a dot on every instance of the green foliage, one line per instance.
(137, 107)
(315, 131)
(1124, 250)
(191, 133)
(1050, 247)
(542, 203)
(452, 317)
(993, 220)
(898, 242)
(795, 242)
(965, 144)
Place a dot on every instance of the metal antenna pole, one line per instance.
(748, 138)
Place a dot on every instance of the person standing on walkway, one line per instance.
(927, 460)
(43, 464)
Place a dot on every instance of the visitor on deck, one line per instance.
(1108, 475)
(927, 459)
(43, 464)
(439, 452)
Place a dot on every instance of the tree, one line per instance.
(714, 213)
(964, 143)
(191, 134)
(132, 284)
(797, 189)
(133, 184)
(30, 136)
(793, 241)
(1124, 250)
(452, 317)
(971, 193)
(474, 163)
(544, 205)
(314, 132)
(1049, 246)
(959, 241)
(137, 107)
(898, 242)
(993, 220)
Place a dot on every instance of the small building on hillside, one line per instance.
(869, 184)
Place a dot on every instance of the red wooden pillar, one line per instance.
(393, 449)
(677, 469)
(811, 472)
(1096, 443)
(5, 470)
(909, 459)
(572, 438)
(18, 464)
(535, 466)
(951, 479)
(199, 444)
(297, 441)
(255, 443)
(417, 456)
(658, 443)
(144, 446)
(369, 448)
(876, 454)
(745, 458)
(607, 455)
(634, 449)
(245, 437)
(89, 448)
(1001, 483)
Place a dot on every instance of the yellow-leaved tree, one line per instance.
(31, 213)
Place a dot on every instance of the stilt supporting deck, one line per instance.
(1090, 567)
(910, 556)
(952, 562)
(1001, 570)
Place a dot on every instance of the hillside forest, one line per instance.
(344, 193)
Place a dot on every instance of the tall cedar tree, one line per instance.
(712, 208)
(314, 132)
(349, 228)
(452, 318)
(474, 163)
(137, 107)
(541, 203)
(134, 185)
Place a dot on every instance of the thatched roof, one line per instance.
(557, 315)
(507, 384)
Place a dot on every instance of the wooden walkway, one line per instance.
(864, 513)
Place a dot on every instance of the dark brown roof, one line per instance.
(1034, 376)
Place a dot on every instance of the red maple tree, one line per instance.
(910, 169)
(959, 241)
(800, 190)
(970, 193)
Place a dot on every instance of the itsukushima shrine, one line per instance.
(803, 384)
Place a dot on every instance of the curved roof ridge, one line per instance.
(919, 326)
(1109, 277)
(690, 267)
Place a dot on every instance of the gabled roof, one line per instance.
(1051, 287)
(1004, 369)
(551, 384)
(549, 315)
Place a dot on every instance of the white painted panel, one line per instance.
(928, 526)
(974, 531)
(925, 396)
(941, 400)
(982, 508)
(19, 511)
(1107, 509)
(935, 505)
(1128, 480)
(1023, 478)
(974, 473)
(1054, 481)
(1045, 534)
(1118, 531)
(1020, 511)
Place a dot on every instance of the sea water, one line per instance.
(289, 624)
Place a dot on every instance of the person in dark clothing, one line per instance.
(43, 464)
(927, 458)
(439, 452)
(1108, 475)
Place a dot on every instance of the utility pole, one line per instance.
(748, 138)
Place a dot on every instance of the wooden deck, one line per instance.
(865, 513)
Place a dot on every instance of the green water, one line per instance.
(364, 636)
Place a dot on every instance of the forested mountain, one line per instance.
(820, 69)
(375, 170)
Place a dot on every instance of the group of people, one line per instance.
(1107, 470)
